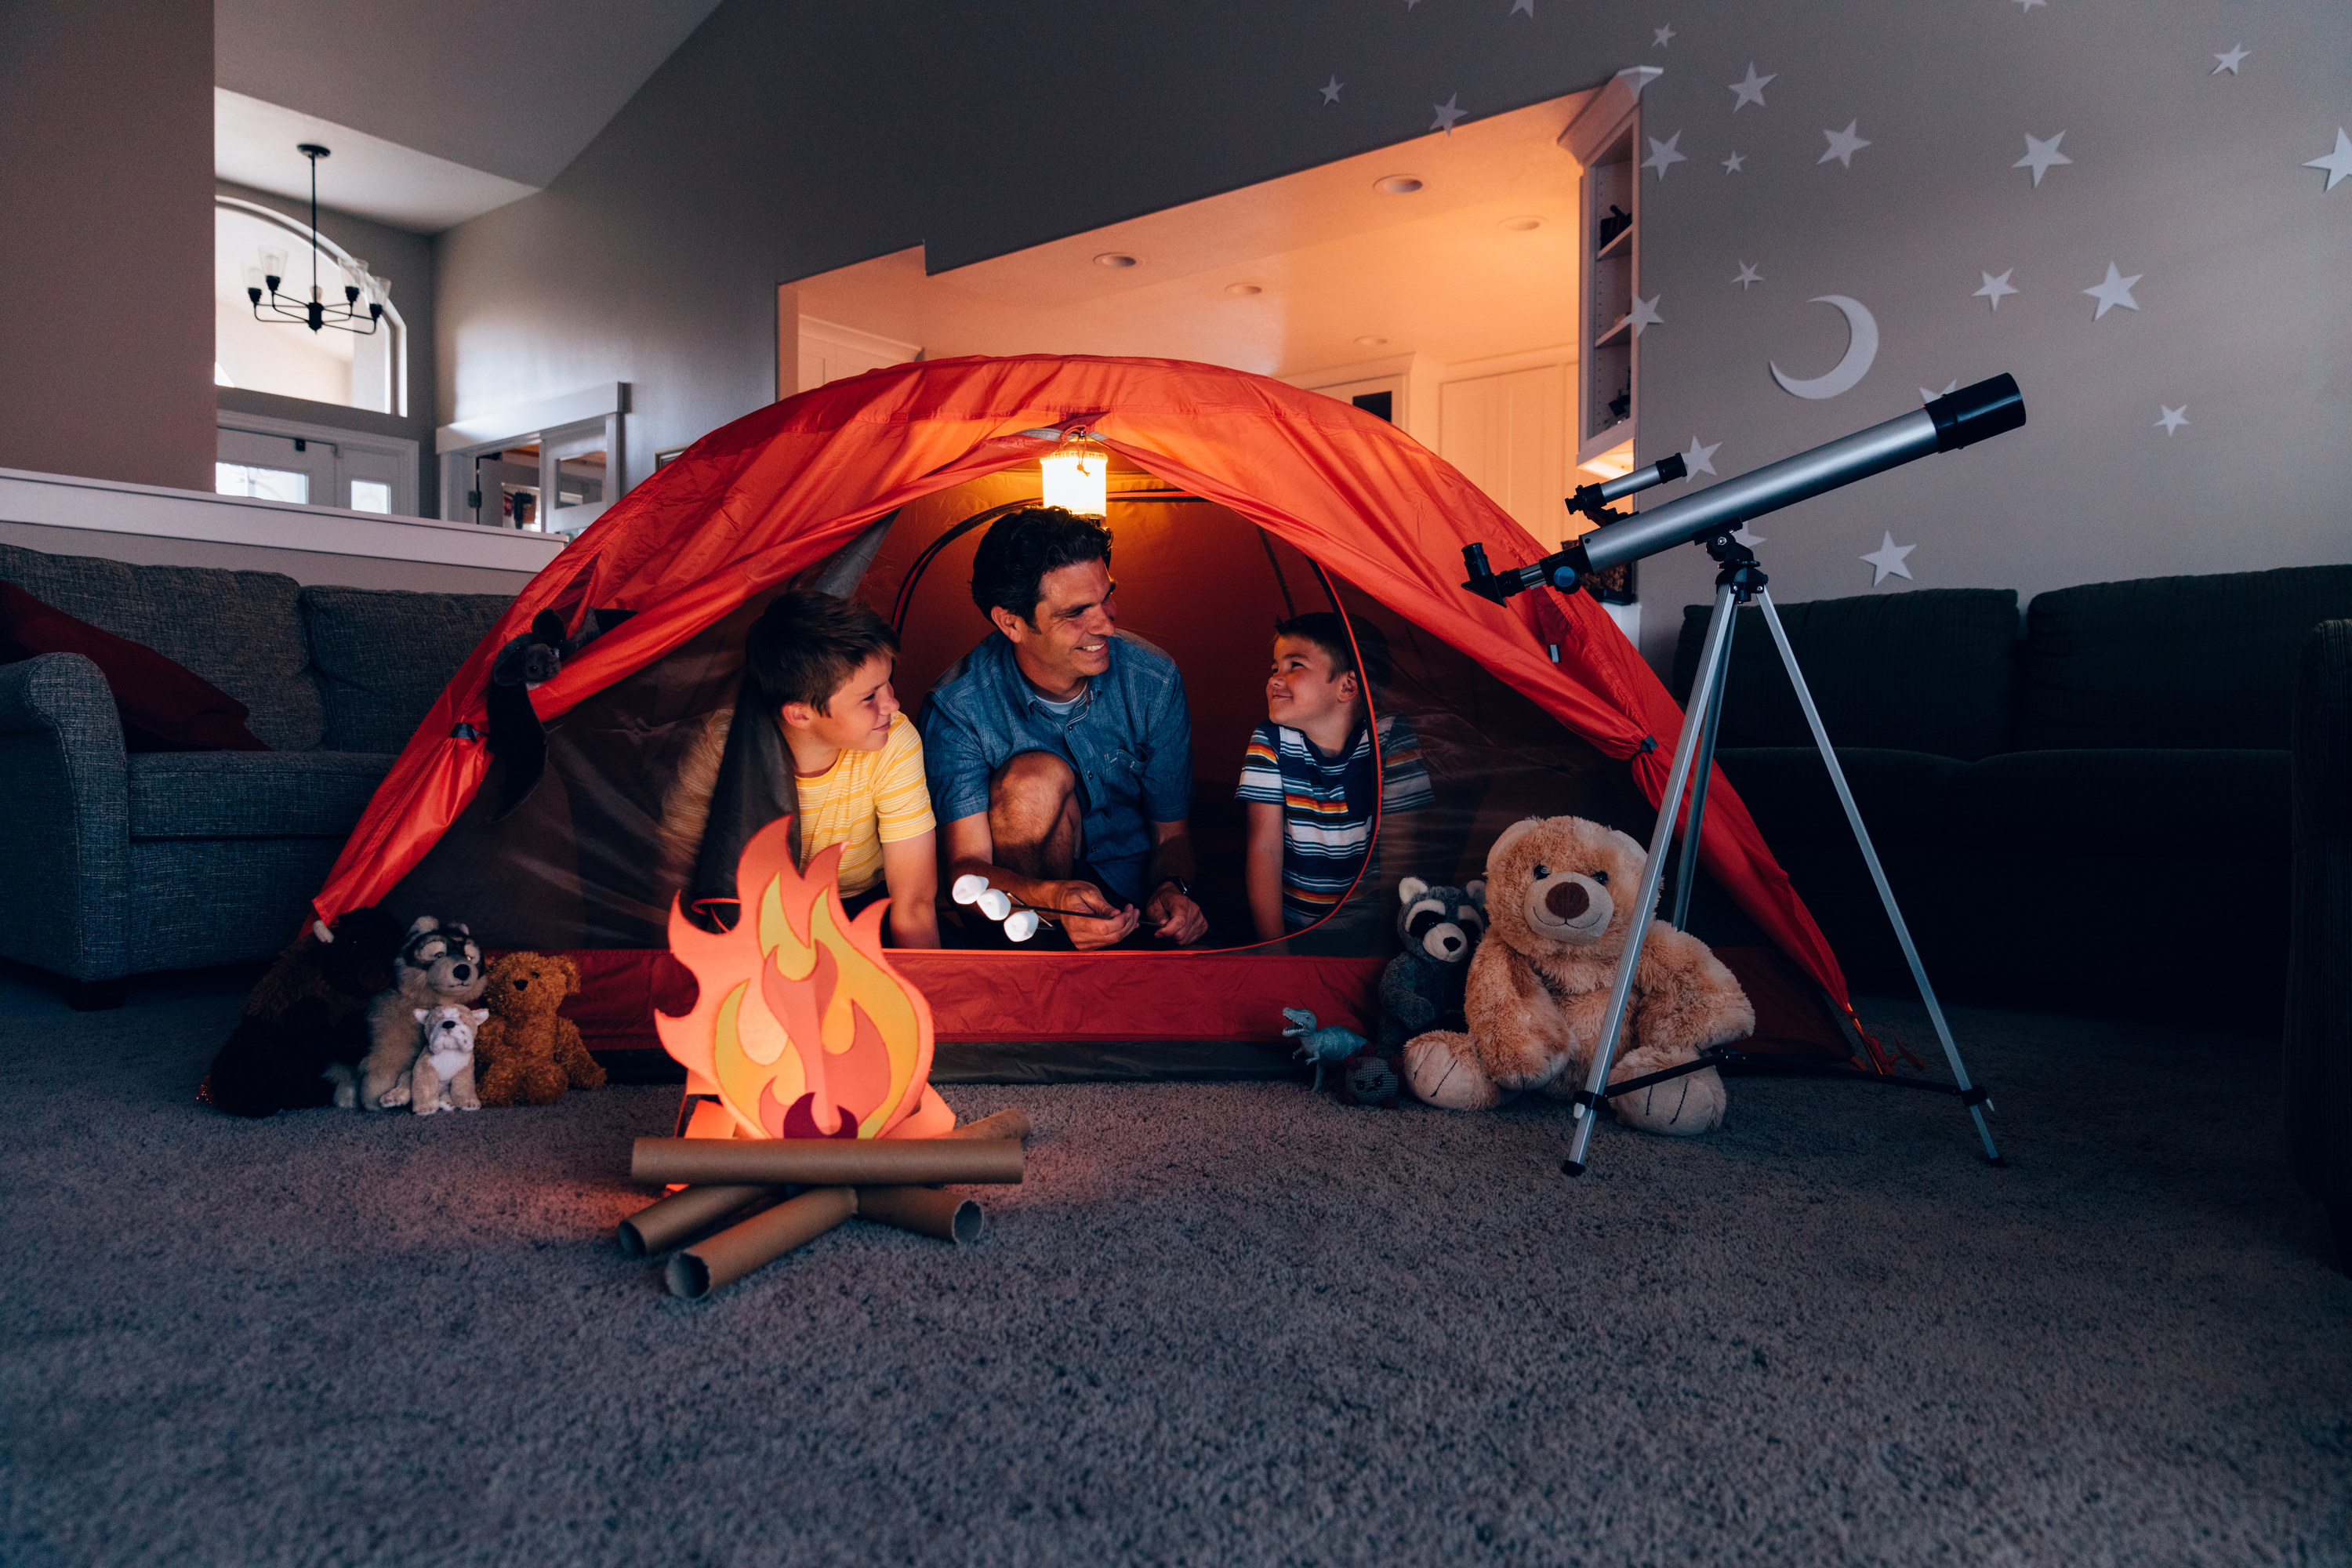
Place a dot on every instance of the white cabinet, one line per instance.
(1604, 139)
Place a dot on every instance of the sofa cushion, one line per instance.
(252, 795)
(2144, 803)
(2173, 661)
(240, 630)
(1903, 795)
(382, 655)
(164, 706)
(1931, 670)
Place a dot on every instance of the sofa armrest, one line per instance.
(64, 834)
(2319, 954)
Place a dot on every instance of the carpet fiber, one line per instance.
(1222, 1323)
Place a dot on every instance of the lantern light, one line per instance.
(1077, 475)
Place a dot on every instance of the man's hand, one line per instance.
(1110, 925)
(1175, 919)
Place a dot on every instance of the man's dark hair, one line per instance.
(803, 646)
(1327, 631)
(1009, 568)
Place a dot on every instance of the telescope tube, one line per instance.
(1959, 419)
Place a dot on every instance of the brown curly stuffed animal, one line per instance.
(526, 1054)
(1560, 897)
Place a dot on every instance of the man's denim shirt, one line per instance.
(1129, 740)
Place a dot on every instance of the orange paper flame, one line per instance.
(802, 1022)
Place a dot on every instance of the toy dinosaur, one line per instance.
(1321, 1046)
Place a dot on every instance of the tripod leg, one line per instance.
(1971, 1097)
(1587, 1110)
(1686, 861)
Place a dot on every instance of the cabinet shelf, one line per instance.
(1624, 241)
(1624, 323)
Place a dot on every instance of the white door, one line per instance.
(1508, 435)
(276, 467)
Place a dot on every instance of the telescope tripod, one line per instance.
(1742, 581)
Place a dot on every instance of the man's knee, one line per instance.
(1037, 782)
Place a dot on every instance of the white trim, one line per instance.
(109, 506)
(502, 426)
(841, 337)
(391, 313)
(399, 448)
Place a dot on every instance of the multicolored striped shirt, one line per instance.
(1326, 805)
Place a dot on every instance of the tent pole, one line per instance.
(1687, 865)
(1971, 1095)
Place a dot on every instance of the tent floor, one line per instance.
(1220, 1323)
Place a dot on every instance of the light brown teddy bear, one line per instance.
(526, 1054)
(1560, 897)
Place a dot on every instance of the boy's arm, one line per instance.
(1262, 869)
(910, 867)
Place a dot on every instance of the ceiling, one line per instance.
(437, 110)
(1452, 270)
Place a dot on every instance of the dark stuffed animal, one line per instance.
(305, 1024)
(1422, 985)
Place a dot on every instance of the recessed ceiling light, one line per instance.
(1371, 343)
(1244, 288)
(1398, 184)
(1527, 224)
(1114, 259)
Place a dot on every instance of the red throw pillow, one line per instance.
(165, 706)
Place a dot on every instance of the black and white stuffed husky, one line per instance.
(439, 966)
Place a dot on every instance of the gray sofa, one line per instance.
(122, 864)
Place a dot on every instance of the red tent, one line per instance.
(782, 490)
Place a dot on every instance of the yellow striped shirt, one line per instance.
(866, 800)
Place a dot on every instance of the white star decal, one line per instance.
(1751, 90)
(1447, 113)
(2338, 163)
(2230, 61)
(1701, 459)
(1731, 164)
(1747, 275)
(1994, 288)
(2113, 290)
(2174, 418)
(1663, 35)
(1330, 90)
(1949, 387)
(2040, 155)
(1527, 5)
(1645, 313)
(1844, 145)
(1887, 560)
(1662, 153)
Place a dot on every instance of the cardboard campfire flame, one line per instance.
(801, 1026)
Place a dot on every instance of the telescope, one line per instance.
(1957, 419)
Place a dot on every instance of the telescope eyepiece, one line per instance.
(1977, 413)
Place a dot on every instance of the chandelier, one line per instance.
(316, 313)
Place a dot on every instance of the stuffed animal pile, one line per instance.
(1559, 893)
(439, 965)
(528, 1054)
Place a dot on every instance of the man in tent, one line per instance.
(1060, 753)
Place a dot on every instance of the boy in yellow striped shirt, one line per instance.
(824, 666)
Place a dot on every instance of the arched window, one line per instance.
(286, 357)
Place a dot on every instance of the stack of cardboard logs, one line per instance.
(892, 1182)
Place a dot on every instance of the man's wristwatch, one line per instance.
(1179, 883)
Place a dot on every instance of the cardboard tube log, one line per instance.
(661, 1225)
(827, 1162)
(926, 1211)
(738, 1250)
(1012, 1123)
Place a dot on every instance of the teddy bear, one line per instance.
(1421, 989)
(443, 1077)
(304, 1028)
(439, 965)
(1559, 902)
(528, 1054)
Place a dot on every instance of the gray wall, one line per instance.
(405, 260)
(785, 139)
(106, 236)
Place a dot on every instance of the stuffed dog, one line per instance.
(438, 966)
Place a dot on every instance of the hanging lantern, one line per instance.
(1077, 475)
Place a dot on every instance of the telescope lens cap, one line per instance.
(1977, 413)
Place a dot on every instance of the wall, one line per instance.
(780, 142)
(404, 259)
(105, 234)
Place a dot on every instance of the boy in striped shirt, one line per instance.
(1309, 774)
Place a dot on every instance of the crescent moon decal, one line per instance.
(1861, 349)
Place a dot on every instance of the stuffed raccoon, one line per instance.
(439, 966)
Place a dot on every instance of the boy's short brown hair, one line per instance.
(803, 646)
(1327, 630)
